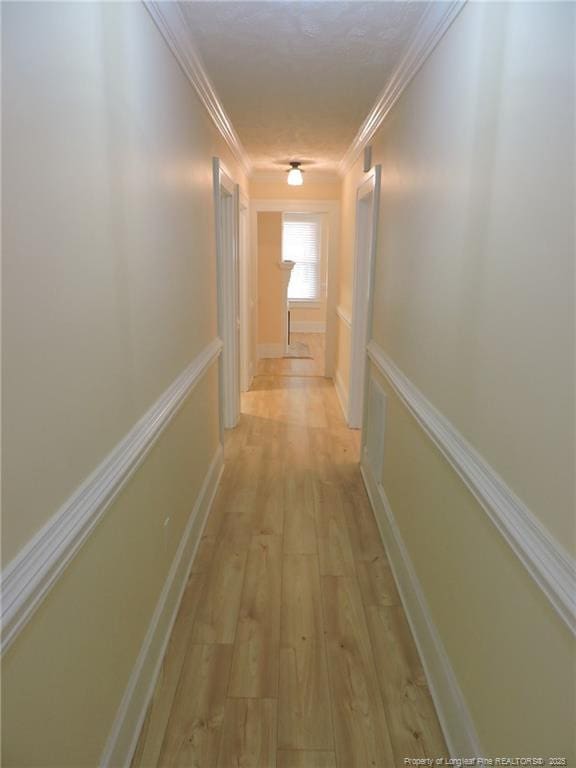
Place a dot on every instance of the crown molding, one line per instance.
(435, 22)
(173, 27)
(28, 579)
(552, 568)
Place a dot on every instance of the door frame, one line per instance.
(246, 296)
(367, 199)
(226, 216)
(331, 208)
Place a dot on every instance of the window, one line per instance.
(301, 236)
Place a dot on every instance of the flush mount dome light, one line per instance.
(295, 178)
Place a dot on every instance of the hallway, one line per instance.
(272, 658)
(288, 384)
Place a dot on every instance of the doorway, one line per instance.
(314, 329)
(367, 206)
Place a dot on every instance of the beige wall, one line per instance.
(477, 304)
(474, 301)
(347, 235)
(109, 293)
(316, 314)
(271, 189)
(269, 278)
(343, 355)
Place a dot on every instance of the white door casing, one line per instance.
(246, 299)
(226, 210)
(367, 208)
(286, 268)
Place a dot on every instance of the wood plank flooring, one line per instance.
(291, 648)
(282, 366)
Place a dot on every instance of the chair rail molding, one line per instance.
(551, 567)
(173, 27)
(434, 23)
(29, 577)
(344, 316)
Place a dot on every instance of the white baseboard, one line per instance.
(270, 350)
(342, 394)
(453, 714)
(127, 724)
(308, 326)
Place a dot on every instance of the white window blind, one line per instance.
(301, 234)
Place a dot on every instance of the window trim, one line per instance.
(318, 219)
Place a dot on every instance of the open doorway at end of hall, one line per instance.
(308, 360)
(296, 259)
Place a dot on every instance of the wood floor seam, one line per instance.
(337, 763)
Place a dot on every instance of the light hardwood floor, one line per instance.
(283, 366)
(291, 648)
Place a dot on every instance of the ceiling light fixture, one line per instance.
(295, 178)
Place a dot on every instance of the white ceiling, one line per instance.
(297, 78)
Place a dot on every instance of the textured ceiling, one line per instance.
(298, 78)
